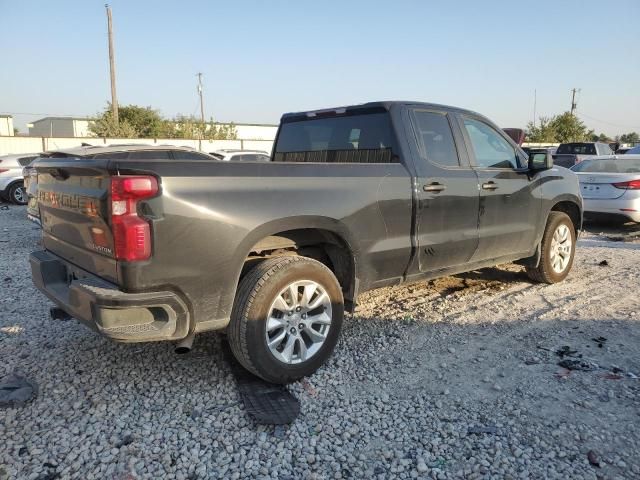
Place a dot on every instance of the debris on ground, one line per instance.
(578, 364)
(600, 341)
(604, 263)
(566, 351)
(594, 458)
(16, 390)
(492, 429)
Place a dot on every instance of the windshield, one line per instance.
(364, 138)
(608, 166)
(577, 149)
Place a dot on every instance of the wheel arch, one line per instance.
(324, 239)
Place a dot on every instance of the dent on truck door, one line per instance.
(509, 206)
(447, 216)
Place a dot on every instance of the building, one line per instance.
(60, 127)
(6, 126)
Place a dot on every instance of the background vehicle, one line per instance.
(611, 186)
(273, 252)
(568, 154)
(11, 181)
(116, 152)
(633, 151)
(242, 155)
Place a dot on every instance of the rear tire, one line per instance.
(557, 250)
(17, 194)
(286, 318)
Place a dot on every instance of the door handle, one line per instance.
(489, 186)
(434, 187)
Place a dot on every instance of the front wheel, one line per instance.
(286, 318)
(557, 250)
(17, 194)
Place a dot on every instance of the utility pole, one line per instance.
(112, 66)
(199, 75)
(535, 99)
(573, 99)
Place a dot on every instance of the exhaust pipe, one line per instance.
(184, 345)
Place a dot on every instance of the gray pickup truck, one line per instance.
(273, 253)
(568, 154)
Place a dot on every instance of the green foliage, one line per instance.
(559, 129)
(632, 137)
(190, 127)
(145, 122)
(544, 132)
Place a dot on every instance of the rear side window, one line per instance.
(605, 149)
(24, 161)
(435, 138)
(608, 166)
(490, 148)
(112, 155)
(363, 138)
(186, 155)
(577, 149)
(149, 155)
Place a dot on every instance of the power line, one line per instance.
(607, 123)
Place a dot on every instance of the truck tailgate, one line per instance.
(73, 199)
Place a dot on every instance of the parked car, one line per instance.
(11, 181)
(355, 198)
(228, 155)
(165, 153)
(633, 151)
(611, 186)
(568, 154)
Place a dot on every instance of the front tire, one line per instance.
(557, 250)
(286, 318)
(18, 194)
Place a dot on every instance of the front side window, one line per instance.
(490, 148)
(435, 138)
(149, 155)
(358, 138)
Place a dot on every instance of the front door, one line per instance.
(447, 216)
(510, 202)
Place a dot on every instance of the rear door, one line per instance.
(509, 210)
(447, 216)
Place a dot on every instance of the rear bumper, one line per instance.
(620, 206)
(121, 316)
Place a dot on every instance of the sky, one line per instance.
(261, 59)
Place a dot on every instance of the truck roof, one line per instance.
(384, 104)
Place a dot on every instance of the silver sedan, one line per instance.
(611, 185)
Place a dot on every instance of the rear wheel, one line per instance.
(17, 194)
(286, 318)
(557, 250)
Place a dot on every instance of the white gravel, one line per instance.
(417, 367)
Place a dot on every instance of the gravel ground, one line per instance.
(418, 368)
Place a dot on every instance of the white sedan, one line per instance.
(611, 185)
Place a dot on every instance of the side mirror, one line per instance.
(540, 161)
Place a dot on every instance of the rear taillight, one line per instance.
(632, 185)
(2, 170)
(131, 234)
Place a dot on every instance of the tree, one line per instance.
(544, 132)
(190, 127)
(135, 121)
(631, 137)
(570, 128)
(106, 126)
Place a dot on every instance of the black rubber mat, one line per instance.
(267, 403)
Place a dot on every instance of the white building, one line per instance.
(60, 127)
(6, 126)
